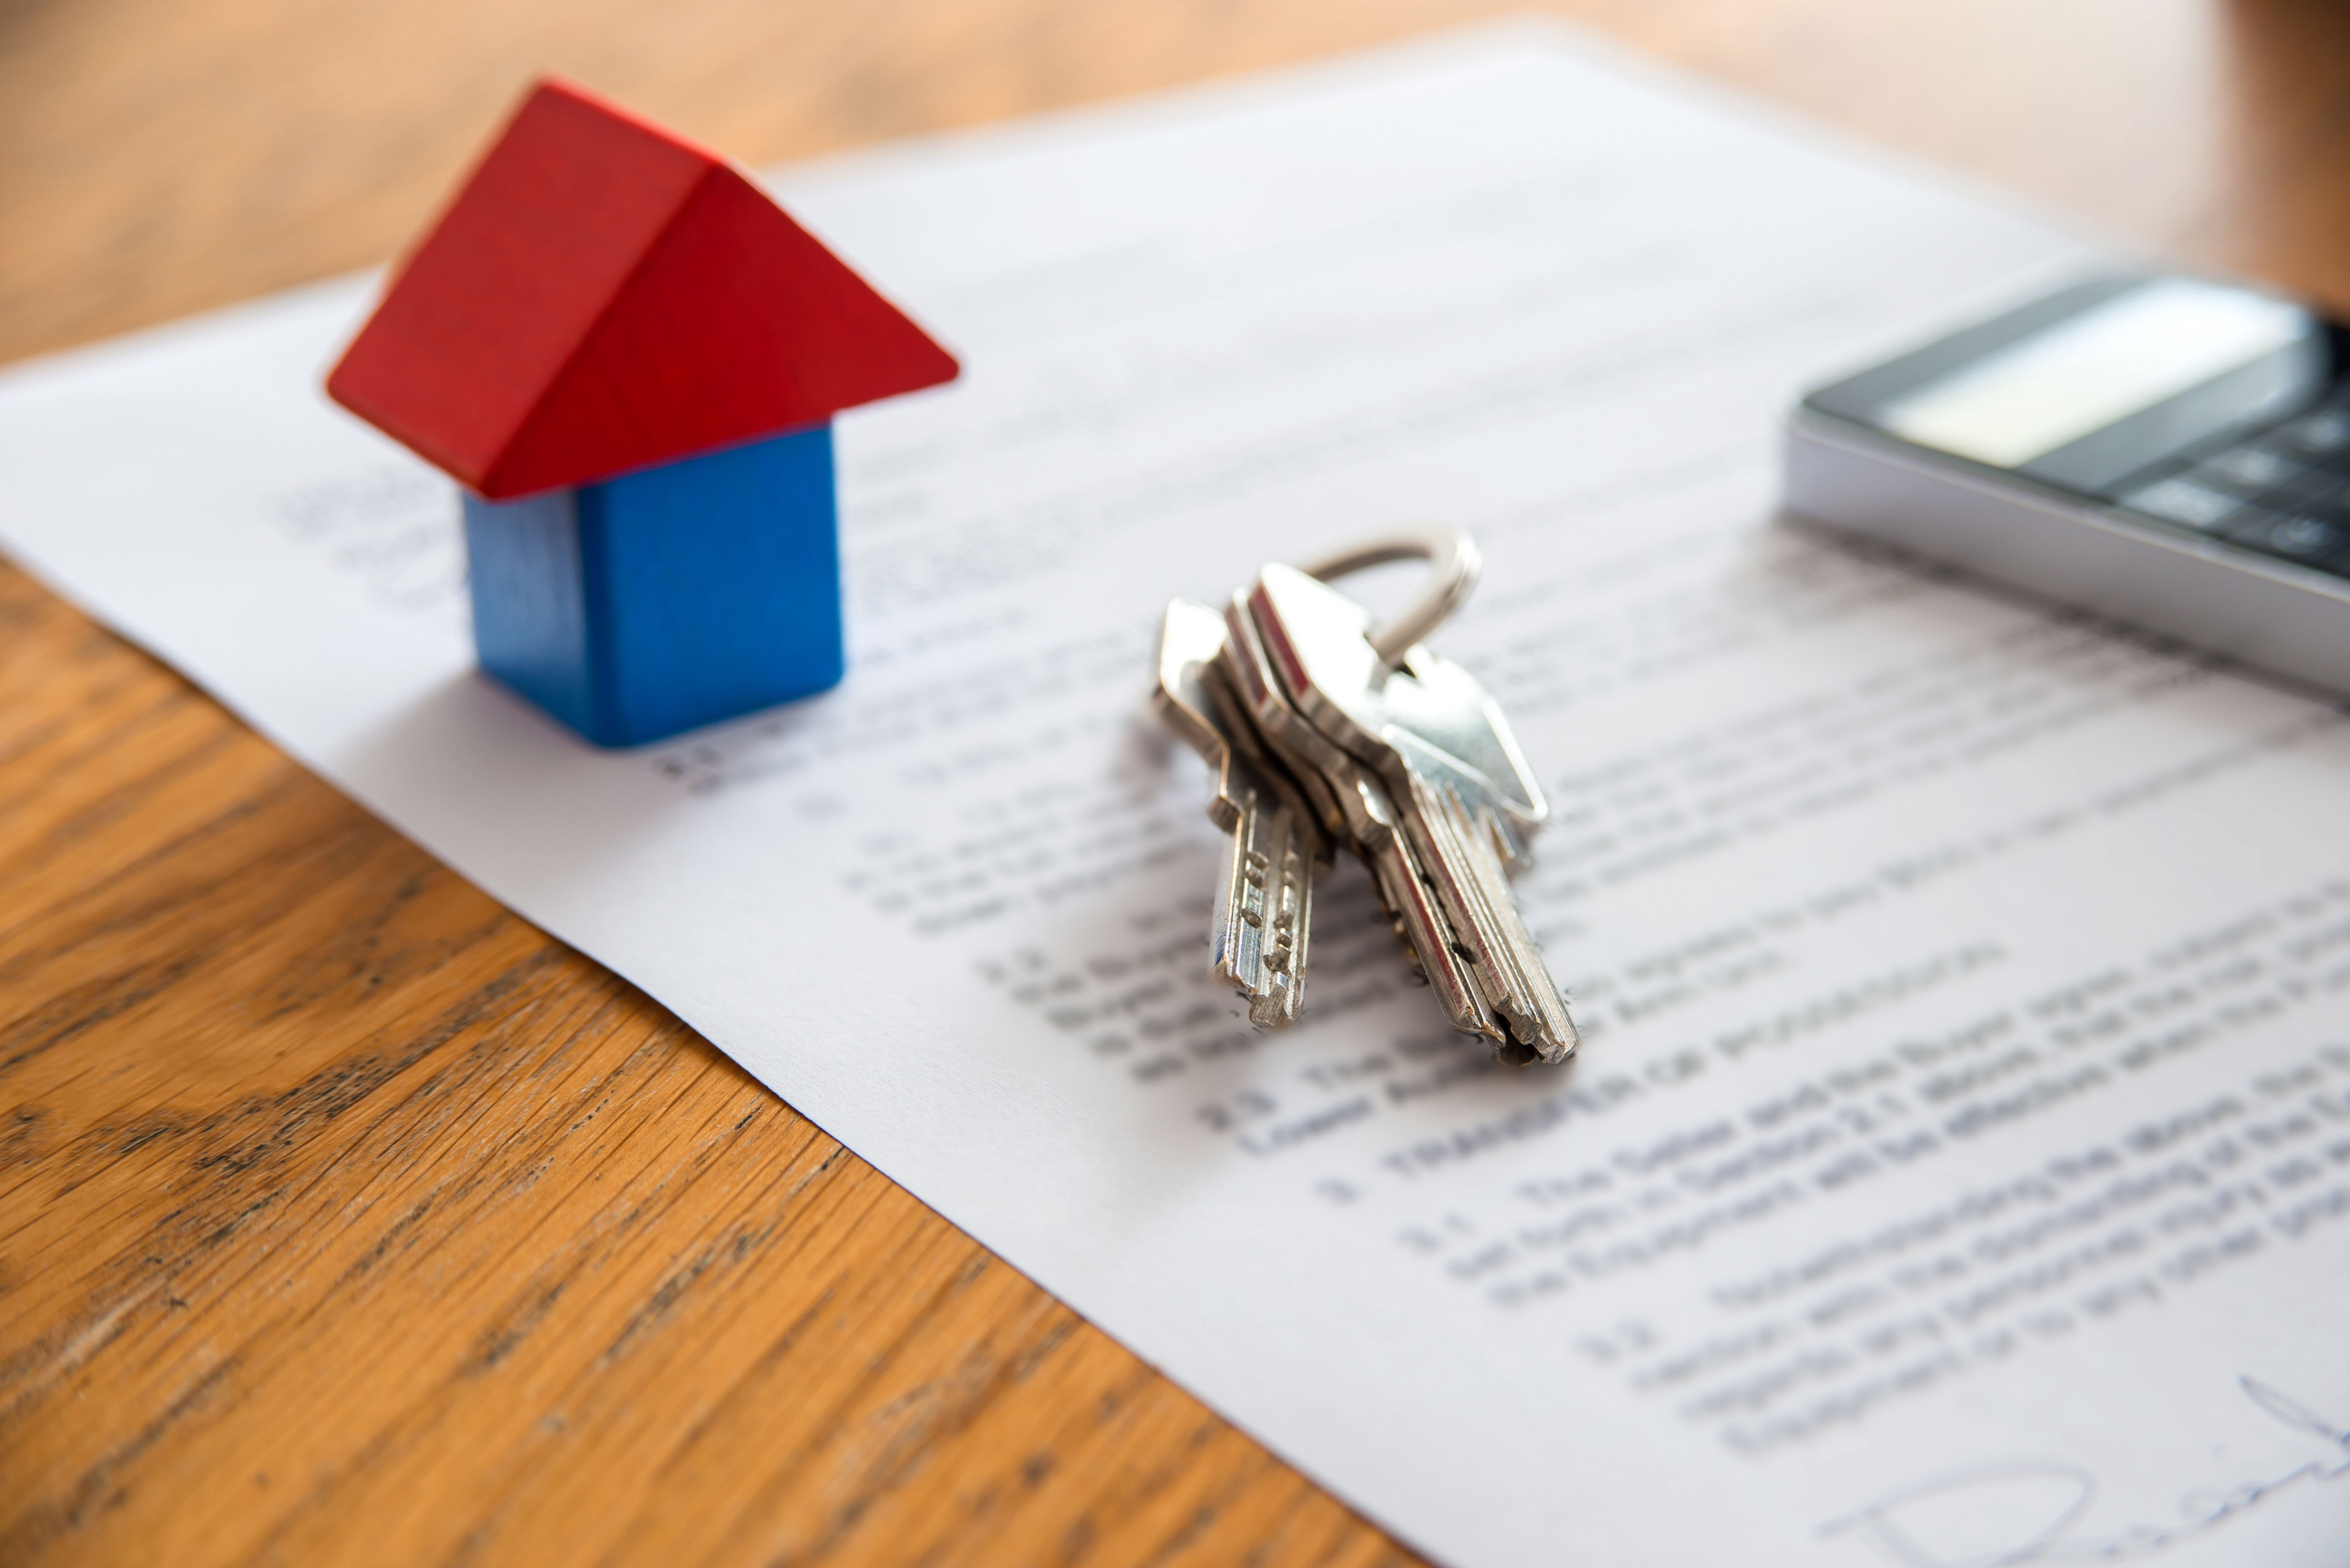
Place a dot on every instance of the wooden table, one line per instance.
(348, 1218)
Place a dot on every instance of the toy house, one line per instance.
(631, 357)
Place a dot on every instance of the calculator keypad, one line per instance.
(2295, 535)
(2283, 491)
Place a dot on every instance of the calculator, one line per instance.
(2167, 450)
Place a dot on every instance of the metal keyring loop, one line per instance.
(1453, 564)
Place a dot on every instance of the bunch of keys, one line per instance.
(1322, 729)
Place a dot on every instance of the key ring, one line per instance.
(1453, 564)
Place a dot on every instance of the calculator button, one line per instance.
(2294, 536)
(2249, 471)
(2320, 490)
(2183, 501)
(2324, 434)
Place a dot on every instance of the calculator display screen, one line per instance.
(2091, 387)
(2080, 375)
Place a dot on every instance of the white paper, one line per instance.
(1958, 1166)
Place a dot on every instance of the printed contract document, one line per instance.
(1957, 1169)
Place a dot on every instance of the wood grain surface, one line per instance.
(345, 1216)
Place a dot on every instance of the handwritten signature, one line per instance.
(2022, 1511)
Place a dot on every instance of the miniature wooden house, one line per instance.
(631, 357)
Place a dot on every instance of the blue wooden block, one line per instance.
(667, 598)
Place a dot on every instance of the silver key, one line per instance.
(1462, 799)
(1264, 900)
(1358, 811)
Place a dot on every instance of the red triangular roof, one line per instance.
(603, 296)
